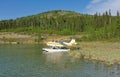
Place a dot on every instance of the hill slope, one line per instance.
(67, 22)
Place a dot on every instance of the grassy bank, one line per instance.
(107, 52)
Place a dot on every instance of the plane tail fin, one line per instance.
(73, 41)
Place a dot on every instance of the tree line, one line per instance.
(67, 22)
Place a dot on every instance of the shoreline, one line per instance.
(17, 38)
(107, 52)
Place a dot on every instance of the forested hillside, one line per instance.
(97, 26)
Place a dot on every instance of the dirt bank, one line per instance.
(15, 38)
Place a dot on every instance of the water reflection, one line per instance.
(79, 68)
(56, 60)
(28, 61)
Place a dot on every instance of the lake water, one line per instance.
(29, 61)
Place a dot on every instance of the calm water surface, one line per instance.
(29, 61)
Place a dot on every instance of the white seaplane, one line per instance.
(56, 46)
(61, 44)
